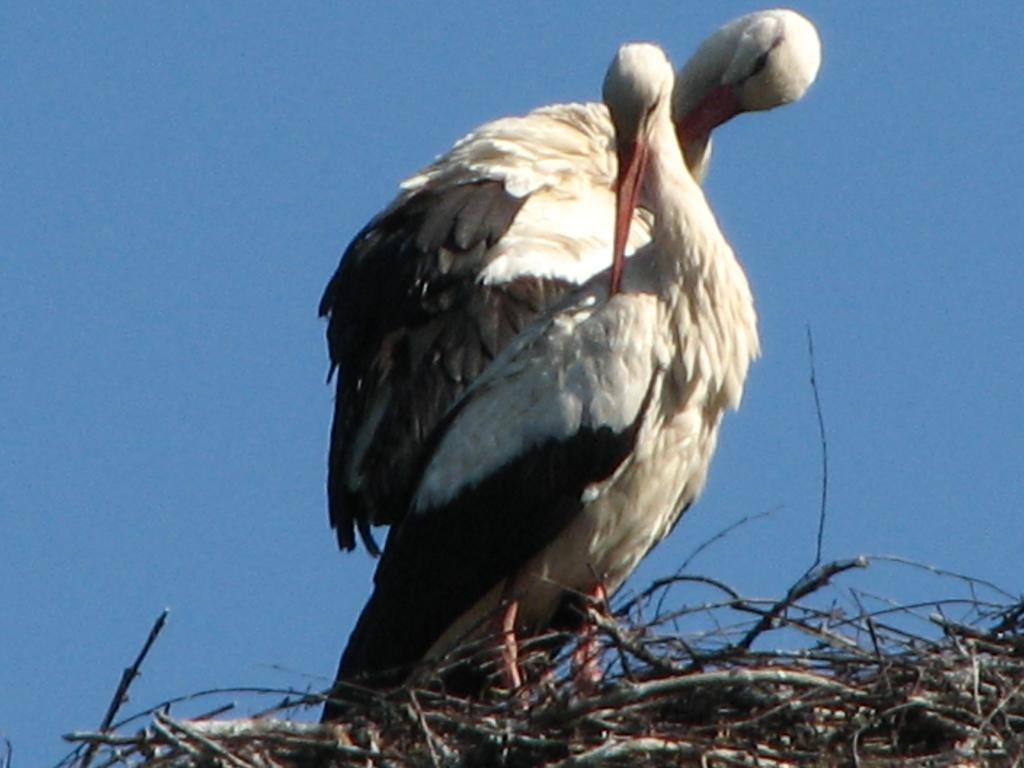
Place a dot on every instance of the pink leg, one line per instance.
(586, 659)
(509, 647)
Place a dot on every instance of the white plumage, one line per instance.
(481, 241)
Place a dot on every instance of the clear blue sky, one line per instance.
(178, 182)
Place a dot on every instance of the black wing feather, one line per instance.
(409, 327)
(463, 341)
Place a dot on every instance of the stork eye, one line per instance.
(762, 61)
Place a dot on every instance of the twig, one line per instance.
(707, 543)
(631, 693)
(216, 711)
(632, 750)
(668, 581)
(971, 581)
(194, 735)
(127, 677)
(719, 536)
(165, 733)
(304, 698)
(115, 739)
(811, 582)
(824, 451)
(1010, 619)
(429, 736)
(623, 643)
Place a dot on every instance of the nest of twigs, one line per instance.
(845, 685)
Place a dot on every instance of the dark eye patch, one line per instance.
(762, 61)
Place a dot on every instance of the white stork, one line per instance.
(580, 446)
(480, 242)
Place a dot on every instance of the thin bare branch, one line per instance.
(127, 677)
(824, 451)
(812, 581)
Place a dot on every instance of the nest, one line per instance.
(844, 685)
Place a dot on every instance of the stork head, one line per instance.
(756, 62)
(637, 90)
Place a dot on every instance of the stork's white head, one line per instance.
(637, 90)
(638, 82)
(756, 62)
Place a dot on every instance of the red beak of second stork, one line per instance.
(633, 155)
(719, 106)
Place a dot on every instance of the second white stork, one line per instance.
(578, 449)
(488, 236)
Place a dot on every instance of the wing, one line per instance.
(408, 328)
(509, 470)
(437, 284)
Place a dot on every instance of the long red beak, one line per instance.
(717, 107)
(632, 164)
